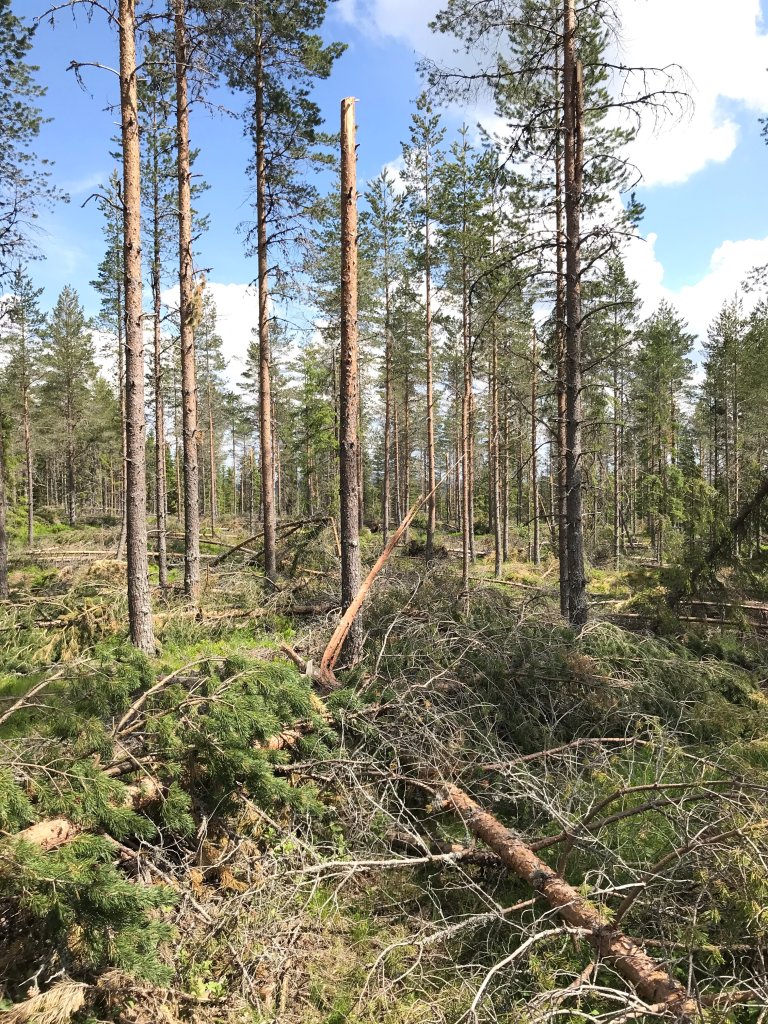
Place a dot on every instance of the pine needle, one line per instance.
(56, 1006)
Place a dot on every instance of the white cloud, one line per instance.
(700, 302)
(724, 55)
(237, 313)
(395, 168)
(88, 184)
(406, 20)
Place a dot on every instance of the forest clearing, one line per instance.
(408, 662)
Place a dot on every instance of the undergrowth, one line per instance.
(219, 892)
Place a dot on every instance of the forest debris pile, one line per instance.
(289, 822)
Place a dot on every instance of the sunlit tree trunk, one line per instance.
(160, 474)
(560, 331)
(348, 395)
(3, 519)
(431, 471)
(265, 376)
(139, 604)
(187, 318)
(535, 541)
(573, 180)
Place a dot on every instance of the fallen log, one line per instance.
(651, 979)
(297, 524)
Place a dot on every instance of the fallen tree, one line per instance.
(650, 979)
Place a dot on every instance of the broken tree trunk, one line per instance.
(651, 980)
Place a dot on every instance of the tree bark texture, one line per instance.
(573, 165)
(139, 602)
(265, 378)
(161, 486)
(189, 427)
(348, 393)
(3, 518)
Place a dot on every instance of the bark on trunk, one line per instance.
(386, 483)
(650, 979)
(29, 472)
(139, 602)
(573, 159)
(431, 470)
(466, 504)
(535, 540)
(121, 388)
(189, 425)
(348, 392)
(160, 474)
(265, 379)
(562, 442)
(617, 415)
(212, 458)
(494, 459)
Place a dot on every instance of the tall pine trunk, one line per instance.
(121, 389)
(431, 471)
(265, 379)
(617, 456)
(348, 392)
(161, 486)
(212, 457)
(560, 332)
(386, 482)
(466, 453)
(28, 468)
(494, 461)
(139, 603)
(189, 426)
(573, 164)
(535, 540)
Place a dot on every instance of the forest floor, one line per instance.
(211, 835)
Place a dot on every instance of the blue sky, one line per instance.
(707, 205)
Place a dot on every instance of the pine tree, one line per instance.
(190, 305)
(423, 161)
(110, 284)
(159, 184)
(384, 237)
(210, 367)
(24, 179)
(139, 602)
(4, 422)
(662, 369)
(66, 389)
(21, 340)
(274, 53)
(466, 234)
